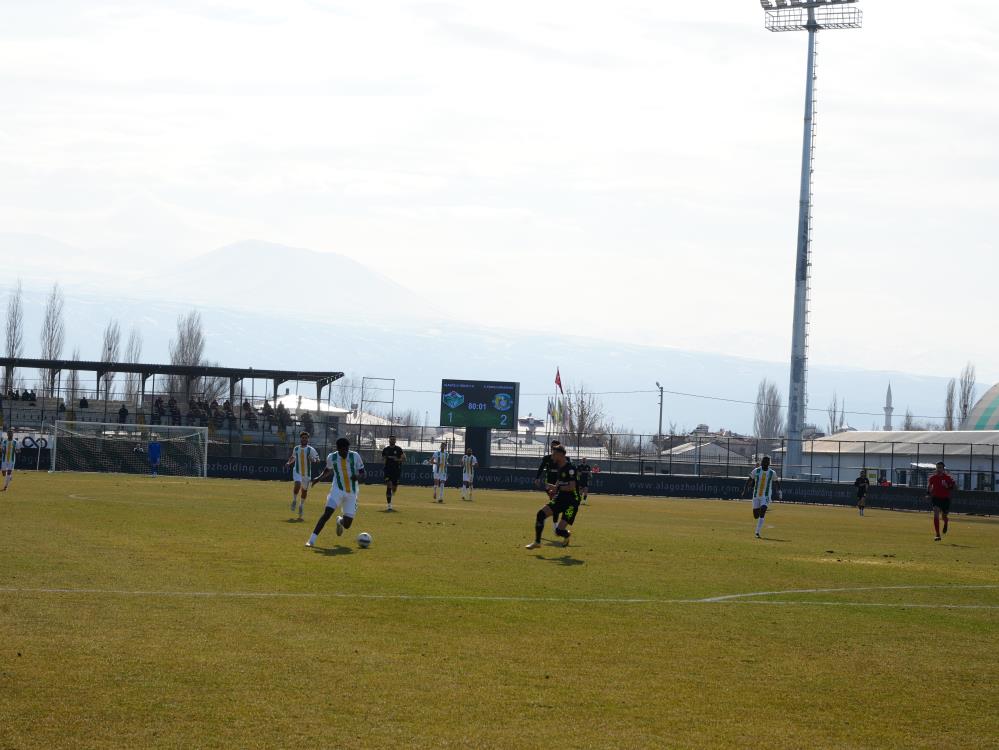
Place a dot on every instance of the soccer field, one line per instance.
(140, 612)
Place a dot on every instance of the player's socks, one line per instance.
(6, 481)
(539, 526)
(946, 520)
(936, 526)
(469, 493)
(759, 525)
(339, 525)
(312, 539)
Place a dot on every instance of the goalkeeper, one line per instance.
(564, 499)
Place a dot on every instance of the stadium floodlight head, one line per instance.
(805, 15)
(811, 16)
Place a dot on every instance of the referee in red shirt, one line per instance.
(938, 492)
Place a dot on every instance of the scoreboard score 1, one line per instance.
(479, 403)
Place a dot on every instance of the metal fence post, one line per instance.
(728, 454)
(863, 460)
(839, 460)
(993, 487)
(891, 466)
(971, 465)
(811, 461)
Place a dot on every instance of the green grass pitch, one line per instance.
(139, 612)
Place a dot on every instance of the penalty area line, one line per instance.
(730, 599)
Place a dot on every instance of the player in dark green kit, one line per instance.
(564, 499)
(546, 471)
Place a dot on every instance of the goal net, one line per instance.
(130, 448)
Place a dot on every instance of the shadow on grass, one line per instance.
(294, 520)
(773, 539)
(333, 551)
(567, 560)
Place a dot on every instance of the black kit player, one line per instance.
(583, 470)
(394, 458)
(546, 474)
(546, 470)
(862, 483)
(564, 499)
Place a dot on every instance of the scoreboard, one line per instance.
(480, 403)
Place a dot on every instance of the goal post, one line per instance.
(130, 448)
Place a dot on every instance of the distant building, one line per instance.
(889, 410)
(985, 414)
(906, 457)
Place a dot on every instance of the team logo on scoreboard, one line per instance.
(453, 399)
(503, 401)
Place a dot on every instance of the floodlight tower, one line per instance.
(811, 16)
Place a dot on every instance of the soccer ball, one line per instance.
(364, 540)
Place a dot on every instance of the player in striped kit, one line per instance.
(468, 465)
(439, 462)
(8, 457)
(345, 469)
(762, 480)
(301, 460)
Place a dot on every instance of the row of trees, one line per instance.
(187, 348)
(768, 419)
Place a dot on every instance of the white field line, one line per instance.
(747, 598)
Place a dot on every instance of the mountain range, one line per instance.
(269, 305)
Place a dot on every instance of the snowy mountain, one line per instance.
(268, 305)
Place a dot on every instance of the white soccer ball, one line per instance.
(364, 540)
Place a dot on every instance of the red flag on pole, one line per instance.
(558, 381)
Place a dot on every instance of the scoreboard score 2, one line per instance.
(479, 403)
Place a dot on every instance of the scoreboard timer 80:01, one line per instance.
(479, 403)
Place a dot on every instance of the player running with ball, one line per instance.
(762, 480)
(346, 469)
(564, 499)
(302, 458)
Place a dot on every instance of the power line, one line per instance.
(684, 394)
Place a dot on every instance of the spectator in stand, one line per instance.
(62, 406)
(192, 415)
(122, 415)
(283, 417)
(84, 404)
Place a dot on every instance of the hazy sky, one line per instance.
(623, 169)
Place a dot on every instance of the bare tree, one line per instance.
(133, 354)
(188, 350)
(14, 338)
(53, 336)
(110, 350)
(73, 381)
(949, 405)
(967, 391)
(346, 392)
(836, 413)
(768, 422)
(583, 413)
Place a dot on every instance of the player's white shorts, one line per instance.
(760, 502)
(7, 465)
(466, 477)
(440, 476)
(346, 501)
(305, 481)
